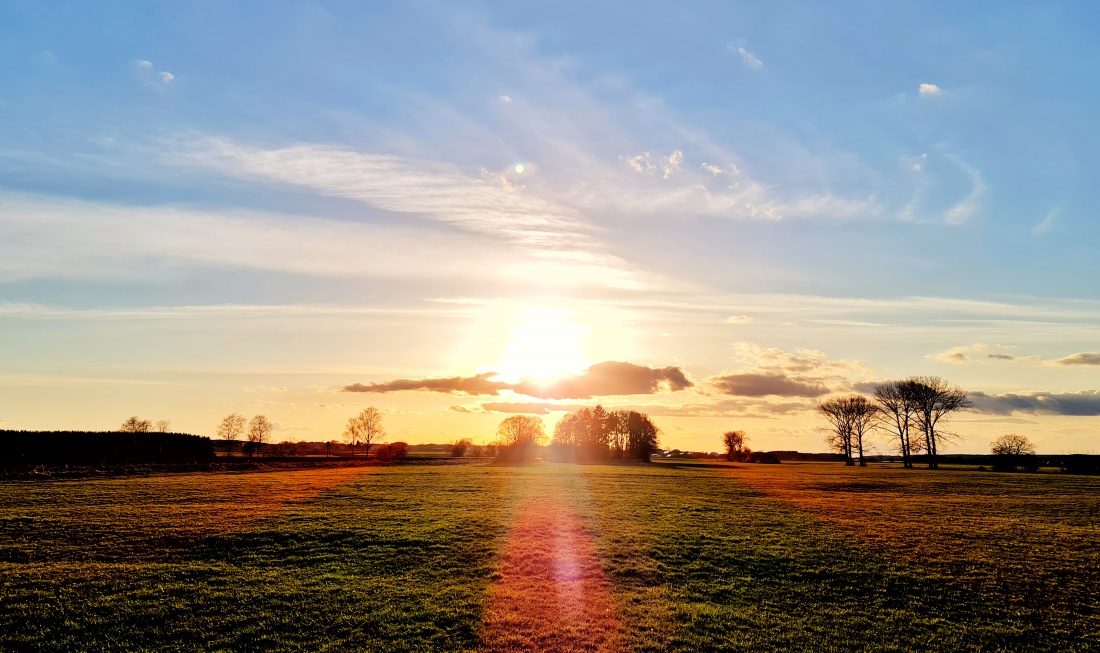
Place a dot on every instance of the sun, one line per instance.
(544, 343)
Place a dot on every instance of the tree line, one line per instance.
(911, 413)
(585, 435)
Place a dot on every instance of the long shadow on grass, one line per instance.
(740, 572)
(396, 561)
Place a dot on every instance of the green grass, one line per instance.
(814, 557)
(398, 558)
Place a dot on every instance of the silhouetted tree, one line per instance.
(162, 426)
(569, 432)
(393, 450)
(259, 432)
(861, 417)
(518, 436)
(618, 433)
(461, 448)
(897, 414)
(1012, 451)
(366, 427)
(734, 442)
(839, 436)
(642, 436)
(521, 430)
(1012, 445)
(231, 429)
(934, 399)
(136, 425)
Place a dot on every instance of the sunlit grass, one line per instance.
(398, 558)
(696, 557)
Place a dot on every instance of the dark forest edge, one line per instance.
(66, 454)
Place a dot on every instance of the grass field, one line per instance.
(662, 557)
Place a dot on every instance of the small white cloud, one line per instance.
(733, 170)
(671, 164)
(1046, 225)
(146, 65)
(739, 319)
(506, 99)
(749, 59)
(915, 163)
(166, 77)
(640, 163)
(930, 89)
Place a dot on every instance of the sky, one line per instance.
(718, 213)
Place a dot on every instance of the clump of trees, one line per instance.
(137, 425)
(256, 431)
(850, 420)
(734, 443)
(518, 436)
(1013, 452)
(365, 428)
(596, 434)
(738, 452)
(393, 450)
(466, 447)
(259, 432)
(910, 412)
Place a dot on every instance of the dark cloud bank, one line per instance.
(766, 384)
(1080, 404)
(602, 379)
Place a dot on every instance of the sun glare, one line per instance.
(544, 343)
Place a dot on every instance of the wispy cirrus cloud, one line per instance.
(970, 205)
(486, 204)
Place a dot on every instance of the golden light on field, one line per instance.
(544, 343)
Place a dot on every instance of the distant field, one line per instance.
(662, 557)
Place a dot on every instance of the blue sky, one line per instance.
(216, 206)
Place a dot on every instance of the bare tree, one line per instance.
(839, 436)
(136, 425)
(896, 416)
(934, 399)
(162, 425)
(1012, 451)
(259, 432)
(366, 427)
(734, 442)
(1012, 445)
(521, 431)
(231, 429)
(861, 417)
